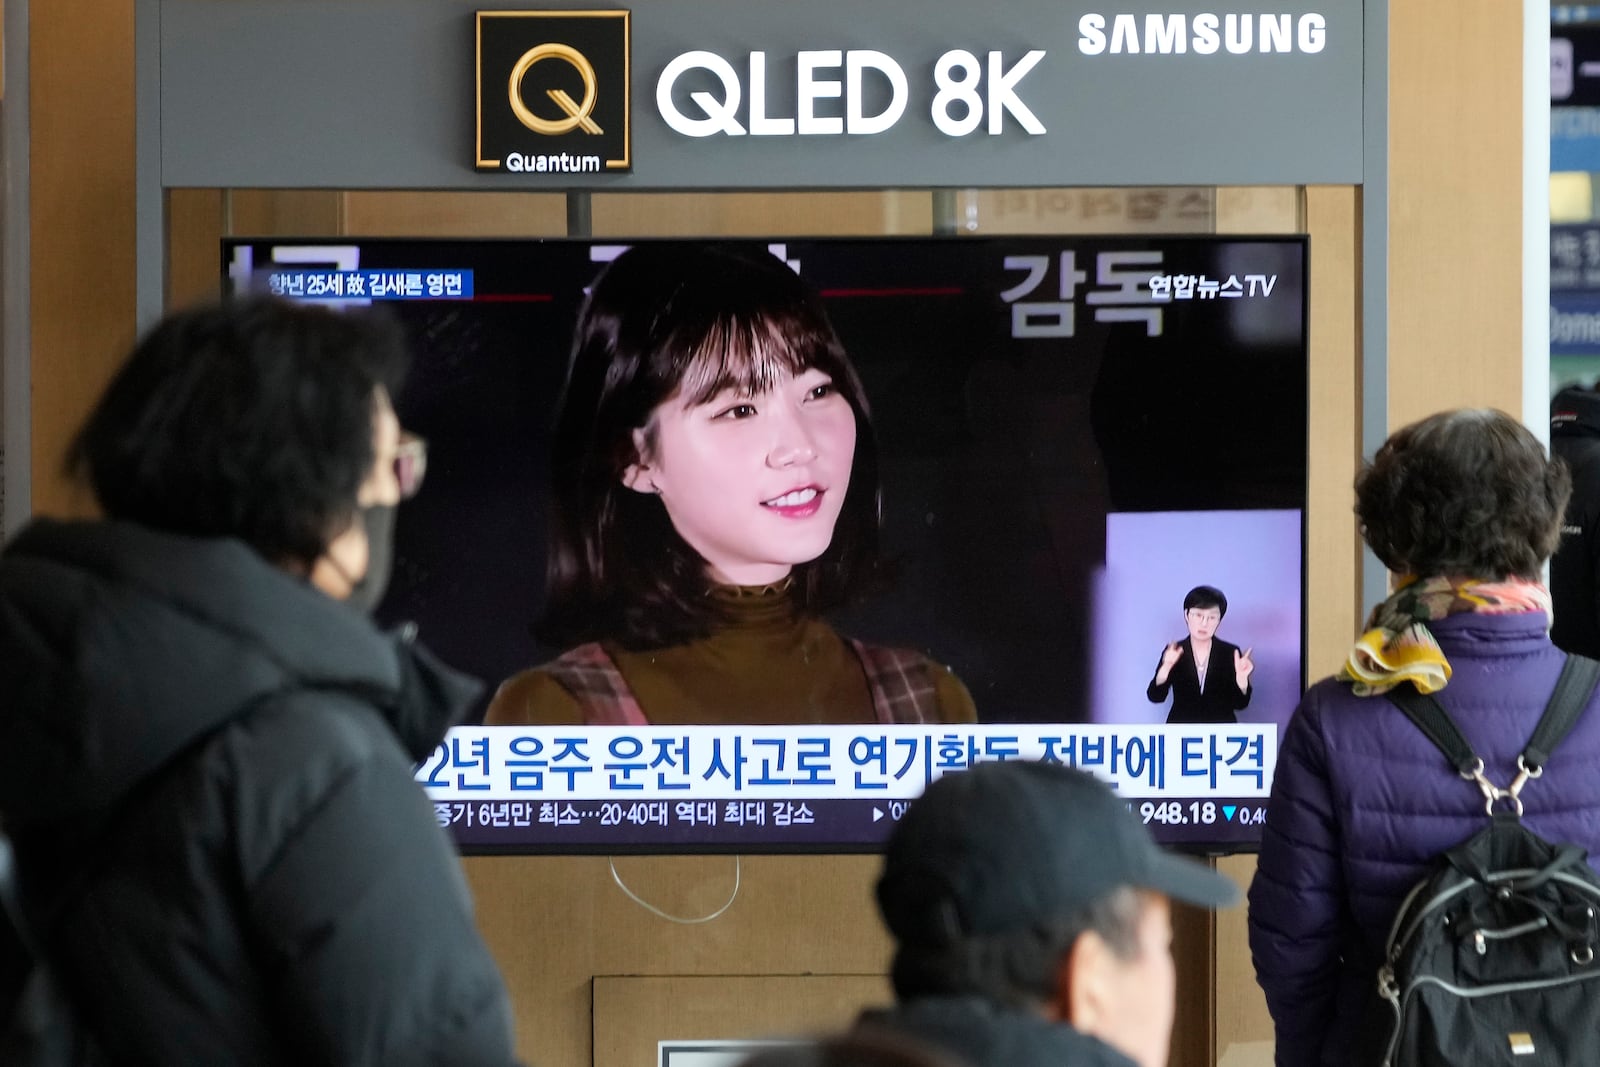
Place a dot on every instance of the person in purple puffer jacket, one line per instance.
(1465, 508)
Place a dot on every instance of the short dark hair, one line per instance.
(1468, 492)
(677, 319)
(1018, 968)
(251, 418)
(1206, 596)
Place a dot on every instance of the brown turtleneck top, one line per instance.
(769, 663)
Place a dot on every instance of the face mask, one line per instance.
(378, 520)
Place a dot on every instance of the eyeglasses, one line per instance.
(410, 464)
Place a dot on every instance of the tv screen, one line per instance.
(1082, 460)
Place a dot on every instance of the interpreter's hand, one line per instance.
(1243, 665)
(1169, 655)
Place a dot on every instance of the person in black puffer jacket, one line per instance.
(1575, 568)
(206, 747)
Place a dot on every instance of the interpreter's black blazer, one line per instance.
(1221, 696)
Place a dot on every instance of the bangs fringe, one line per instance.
(750, 358)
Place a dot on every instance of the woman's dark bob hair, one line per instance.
(1464, 494)
(251, 418)
(686, 321)
(1206, 596)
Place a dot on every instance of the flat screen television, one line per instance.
(1073, 433)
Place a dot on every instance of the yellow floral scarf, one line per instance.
(1398, 646)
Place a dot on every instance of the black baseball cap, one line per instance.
(1009, 845)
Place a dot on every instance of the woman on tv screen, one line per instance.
(1209, 678)
(714, 492)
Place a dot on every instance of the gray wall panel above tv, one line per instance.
(381, 94)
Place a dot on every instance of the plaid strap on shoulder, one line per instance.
(591, 676)
(901, 681)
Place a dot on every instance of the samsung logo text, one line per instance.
(1205, 34)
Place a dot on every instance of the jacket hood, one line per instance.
(985, 1034)
(1575, 412)
(121, 645)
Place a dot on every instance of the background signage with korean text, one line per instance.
(1575, 66)
(1575, 289)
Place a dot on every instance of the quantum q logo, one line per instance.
(553, 92)
(577, 114)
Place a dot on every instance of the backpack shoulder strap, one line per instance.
(901, 682)
(590, 674)
(1573, 690)
(1572, 693)
(1431, 718)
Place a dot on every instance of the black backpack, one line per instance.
(1491, 958)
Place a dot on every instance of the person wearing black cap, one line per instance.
(1029, 910)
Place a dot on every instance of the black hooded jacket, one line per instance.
(1575, 568)
(206, 774)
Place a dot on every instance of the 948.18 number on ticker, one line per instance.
(1203, 812)
(1175, 813)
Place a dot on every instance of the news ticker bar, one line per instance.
(520, 825)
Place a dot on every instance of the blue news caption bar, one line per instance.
(838, 762)
(370, 284)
